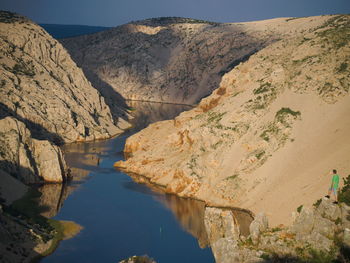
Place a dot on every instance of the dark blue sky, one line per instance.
(116, 12)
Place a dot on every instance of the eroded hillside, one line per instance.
(266, 139)
(174, 60)
(44, 88)
(45, 100)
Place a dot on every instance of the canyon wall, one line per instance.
(266, 139)
(171, 59)
(45, 100)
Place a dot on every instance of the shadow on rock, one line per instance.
(37, 130)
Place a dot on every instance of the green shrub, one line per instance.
(300, 208)
(317, 203)
(344, 193)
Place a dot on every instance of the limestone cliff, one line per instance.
(175, 60)
(28, 159)
(266, 139)
(43, 87)
(317, 234)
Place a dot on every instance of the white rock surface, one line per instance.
(43, 87)
(27, 159)
(174, 60)
(266, 139)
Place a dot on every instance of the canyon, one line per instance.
(270, 120)
(268, 136)
(45, 101)
(174, 60)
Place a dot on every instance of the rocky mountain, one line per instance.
(267, 137)
(176, 60)
(43, 87)
(45, 99)
(28, 159)
(317, 234)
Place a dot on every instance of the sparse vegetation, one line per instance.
(284, 112)
(232, 177)
(260, 154)
(336, 31)
(23, 69)
(300, 208)
(265, 87)
(344, 193)
(317, 203)
(266, 95)
(272, 129)
(9, 17)
(342, 68)
(215, 117)
(216, 145)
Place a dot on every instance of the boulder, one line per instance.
(304, 223)
(227, 250)
(259, 224)
(319, 242)
(324, 226)
(27, 159)
(345, 215)
(138, 259)
(49, 159)
(329, 210)
(220, 223)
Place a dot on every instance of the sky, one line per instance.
(117, 12)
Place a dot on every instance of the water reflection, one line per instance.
(149, 112)
(188, 212)
(96, 158)
(52, 198)
(191, 214)
(84, 158)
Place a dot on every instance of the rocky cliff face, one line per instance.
(49, 101)
(316, 234)
(43, 87)
(267, 137)
(28, 159)
(174, 60)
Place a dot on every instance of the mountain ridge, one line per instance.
(233, 148)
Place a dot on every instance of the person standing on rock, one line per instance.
(334, 186)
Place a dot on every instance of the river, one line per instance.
(121, 218)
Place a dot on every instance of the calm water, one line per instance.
(120, 217)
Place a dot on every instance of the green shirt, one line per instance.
(335, 181)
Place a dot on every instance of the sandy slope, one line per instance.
(268, 137)
(175, 59)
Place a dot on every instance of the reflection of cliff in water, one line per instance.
(82, 159)
(189, 213)
(193, 215)
(145, 113)
(52, 197)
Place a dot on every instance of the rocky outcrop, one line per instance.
(50, 102)
(43, 87)
(266, 138)
(138, 259)
(171, 59)
(21, 241)
(316, 233)
(28, 159)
